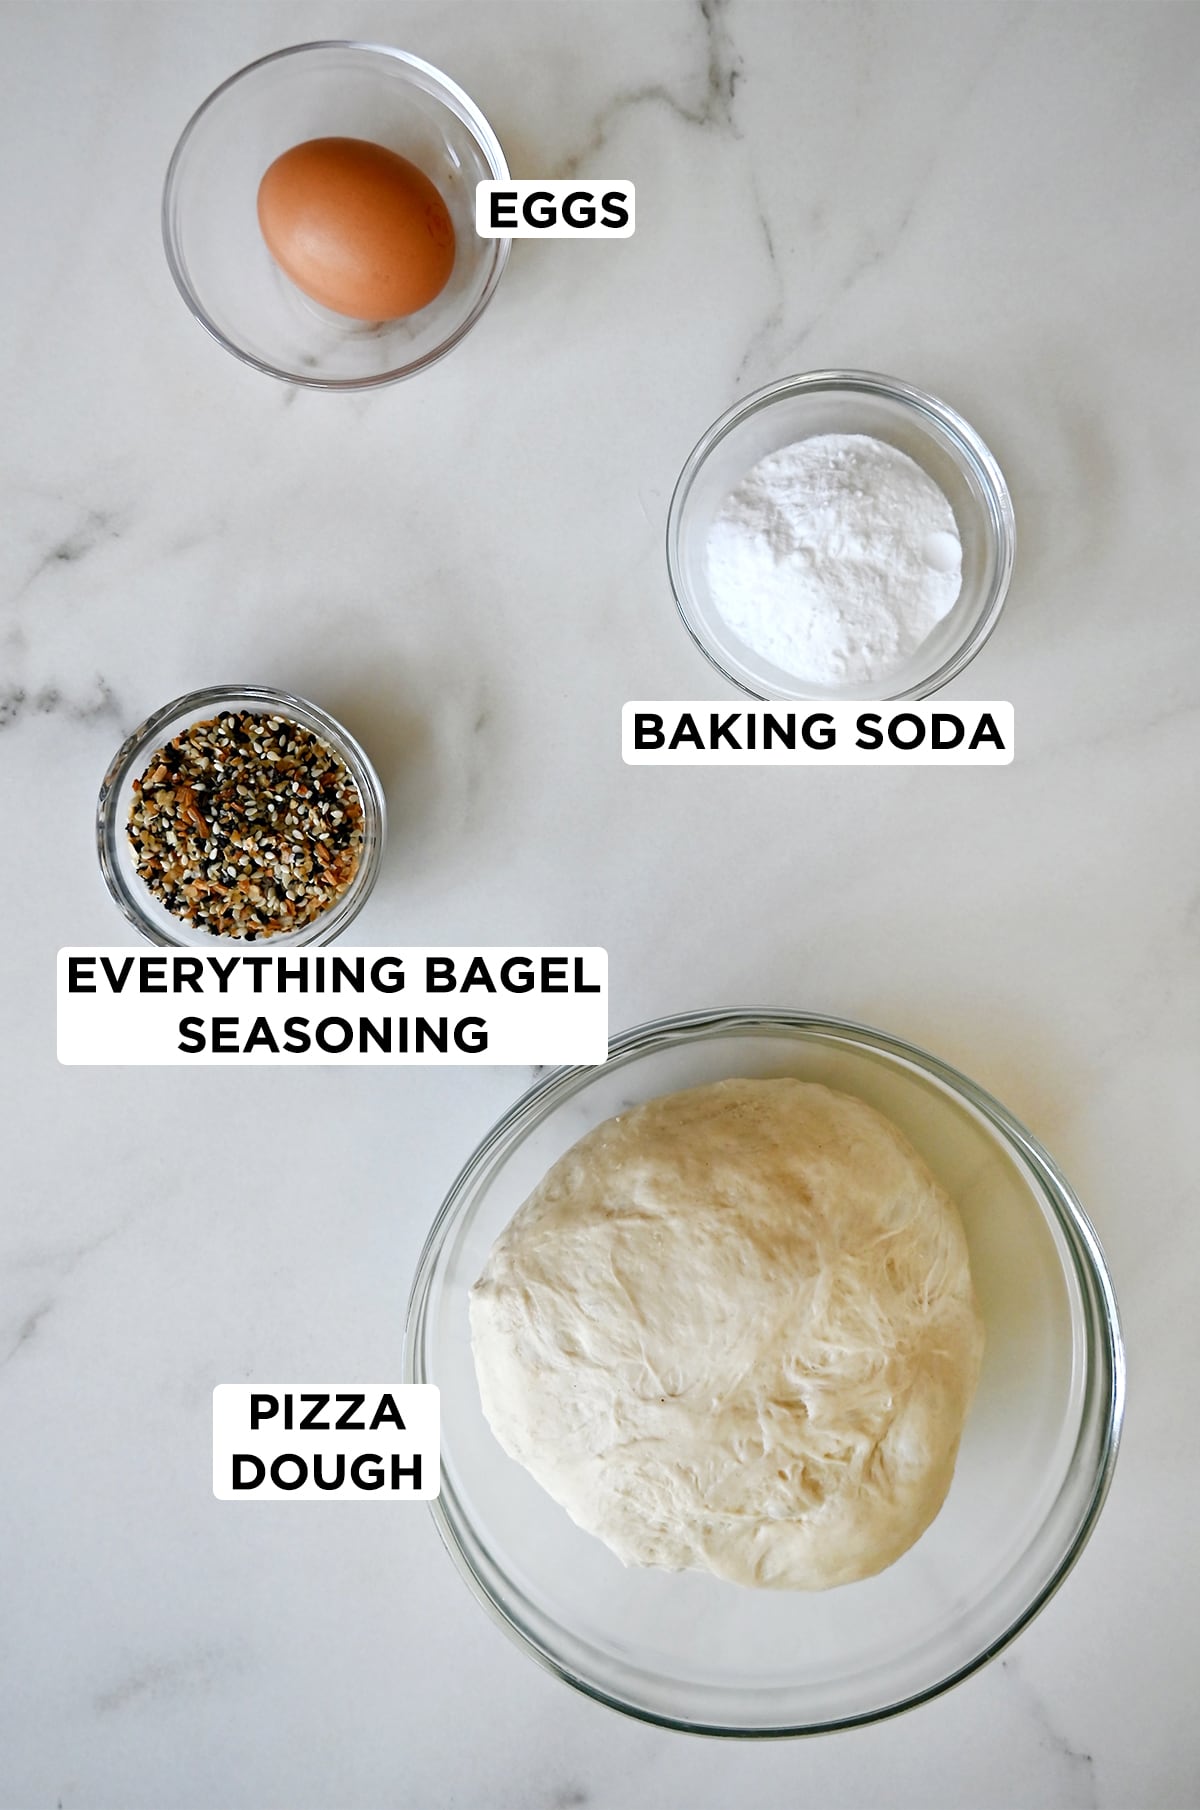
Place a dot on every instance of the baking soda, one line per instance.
(835, 558)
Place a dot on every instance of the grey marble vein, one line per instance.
(17, 702)
(1078, 1787)
(712, 108)
(27, 1329)
(165, 1679)
(877, 248)
(93, 528)
(59, 1263)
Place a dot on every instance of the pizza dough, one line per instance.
(734, 1329)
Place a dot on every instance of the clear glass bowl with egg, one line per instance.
(688, 1650)
(211, 232)
(118, 864)
(845, 402)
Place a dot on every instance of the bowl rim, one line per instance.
(923, 406)
(1082, 1240)
(330, 924)
(488, 142)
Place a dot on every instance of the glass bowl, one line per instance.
(693, 1652)
(846, 402)
(223, 269)
(146, 913)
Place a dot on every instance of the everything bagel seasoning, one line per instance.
(246, 825)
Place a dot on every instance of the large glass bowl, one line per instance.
(691, 1651)
(846, 402)
(223, 269)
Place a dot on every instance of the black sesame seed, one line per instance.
(236, 792)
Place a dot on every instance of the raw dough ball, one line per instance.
(734, 1329)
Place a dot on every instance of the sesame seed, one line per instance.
(277, 776)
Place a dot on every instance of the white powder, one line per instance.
(835, 558)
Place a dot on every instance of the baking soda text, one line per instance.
(654, 733)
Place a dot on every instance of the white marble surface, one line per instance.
(996, 202)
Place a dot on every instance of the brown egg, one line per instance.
(358, 228)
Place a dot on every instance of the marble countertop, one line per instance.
(995, 202)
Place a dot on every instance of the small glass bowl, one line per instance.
(691, 1651)
(846, 402)
(223, 269)
(146, 913)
